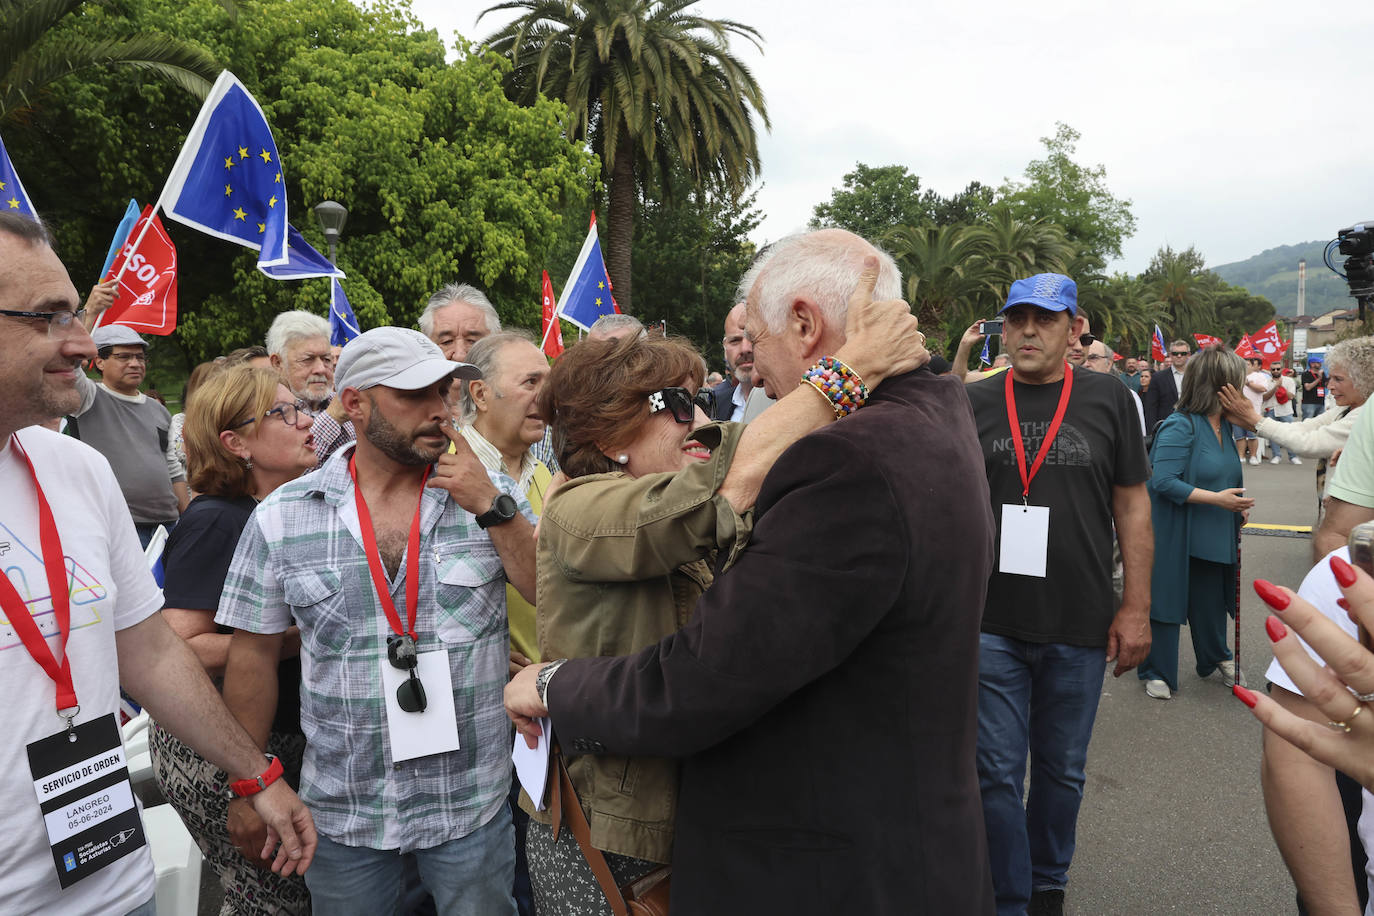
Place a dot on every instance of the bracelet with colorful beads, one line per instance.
(839, 384)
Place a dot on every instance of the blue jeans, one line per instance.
(472, 874)
(1311, 410)
(1041, 698)
(147, 909)
(1274, 449)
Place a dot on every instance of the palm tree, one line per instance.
(647, 85)
(952, 275)
(31, 59)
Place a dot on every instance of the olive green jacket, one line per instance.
(621, 563)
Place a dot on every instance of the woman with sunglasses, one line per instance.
(246, 435)
(657, 496)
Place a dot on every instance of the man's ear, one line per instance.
(276, 361)
(808, 324)
(1077, 327)
(478, 391)
(352, 400)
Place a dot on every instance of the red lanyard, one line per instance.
(374, 557)
(1050, 433)
(17, 611)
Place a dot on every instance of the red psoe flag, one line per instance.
(1246, 350)
(1206, 340)
(1268, 342)
(147, 300)
(553, 342)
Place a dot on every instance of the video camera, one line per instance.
(1357, 244)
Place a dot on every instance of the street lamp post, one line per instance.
(332, 216)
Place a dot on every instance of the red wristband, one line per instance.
(246, 787)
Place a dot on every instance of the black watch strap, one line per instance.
(503, 509)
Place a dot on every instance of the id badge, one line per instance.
(419, 734)
(1025, 540)
(86, 798)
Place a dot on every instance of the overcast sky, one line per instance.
(1231, 126)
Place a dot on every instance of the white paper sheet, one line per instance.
(532, 764)
(419, 734)
(1025, 539)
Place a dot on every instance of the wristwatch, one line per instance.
(541, 680)
(503, 509)
(246, 787)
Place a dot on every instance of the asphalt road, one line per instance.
(1173, 816)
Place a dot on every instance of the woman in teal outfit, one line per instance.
(1197, 503)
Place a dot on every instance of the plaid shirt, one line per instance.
(301, 560)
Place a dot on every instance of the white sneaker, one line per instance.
(1294, 459)
(1228, 673)
(1274, 460)
(1254, 459)
(1157, 689)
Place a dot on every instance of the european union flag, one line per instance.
(983, 357)
(302, 261)
(587, 294)
(227, 181)
(343, 324)
(12, 196)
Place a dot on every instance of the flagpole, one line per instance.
(557, 310)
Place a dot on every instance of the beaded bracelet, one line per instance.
(838, 384)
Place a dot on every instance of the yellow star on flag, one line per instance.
(14, 203)
(600, 285)
(239, 214)
(243, 152)
(2, 186)
(277, 180)
(228, 190)
(598, 300)
(262, 227)
(266, 156)
(229, 162)
(273, 201)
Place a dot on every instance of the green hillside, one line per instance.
(1274, 275)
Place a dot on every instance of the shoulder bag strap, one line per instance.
(567, 809)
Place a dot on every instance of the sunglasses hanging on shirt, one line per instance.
(400, 651)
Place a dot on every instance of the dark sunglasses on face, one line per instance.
(1179, 353)
(400, 651)
(681, 403)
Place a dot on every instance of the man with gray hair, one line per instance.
(456, 317)
(803, 648)
(615, 326)
(298, 345)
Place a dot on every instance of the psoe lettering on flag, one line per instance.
(12, 196)
(147, 296)
(587, 294)
(553, 330)
(227, 180)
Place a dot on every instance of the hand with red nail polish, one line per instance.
(1246, 696)
(1272, 595)
(1343, 571)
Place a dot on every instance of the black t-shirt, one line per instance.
(196, 562)
(1317, 394)
(1098, 447)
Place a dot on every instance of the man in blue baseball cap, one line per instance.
(1066, 466)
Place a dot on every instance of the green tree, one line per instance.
(444, 177)
(953, 276)
(875, 200)
(1181, 281)
(1239, 312)
(649, 86)
(1075, 197)
(35, 53)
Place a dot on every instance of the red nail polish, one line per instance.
(1269, 593)
(1275, 629)
(1343, 604)
(1345, 573)
(1247, 697)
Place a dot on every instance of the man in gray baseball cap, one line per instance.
(131, 430)
(392, 559)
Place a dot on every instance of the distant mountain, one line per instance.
(1274, 275)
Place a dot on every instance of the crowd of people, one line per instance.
(717, 596)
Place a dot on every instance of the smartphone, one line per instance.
(1362, 555)
(990, 327)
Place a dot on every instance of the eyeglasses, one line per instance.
(682, 403)
(400, 651)
(1092, 356)
(61, 323)
(1179, 353)
(129, 358)
(1086, 340)
(289, 414)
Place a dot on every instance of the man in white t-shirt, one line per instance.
(1281, 407)
(73, 841)
(1256, 384)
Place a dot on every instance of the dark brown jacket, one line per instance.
(825, 695)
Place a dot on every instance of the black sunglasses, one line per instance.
(1086, 340)
(681, 403)
(1179, 353)
(400, 651)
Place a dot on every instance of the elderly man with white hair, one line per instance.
(298, 345)
(824, 641)
(456, 317)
